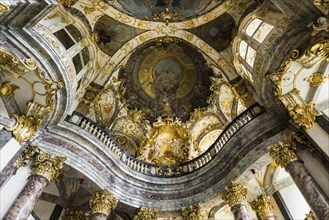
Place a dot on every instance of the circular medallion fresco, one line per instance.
(166, 80)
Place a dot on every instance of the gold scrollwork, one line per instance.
(8, 89)
(103, 202)
(303, 114)
(234, 194)
(193, 213)
(263, 206)
(47, 165)
(25, 128)
(146, 213)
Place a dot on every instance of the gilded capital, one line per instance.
(72, 213)
(103, 202)
(147, 214)
(234, 194)
(263, 206)
(25, 128)
(29, 152)
(193, 213)
(48, 166)
(284, 152)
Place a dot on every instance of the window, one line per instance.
(247, 53)
(258, 30)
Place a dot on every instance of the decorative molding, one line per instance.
(234, 194)
(103, 202)
(263, 206)
(48, 166)
(8, 89)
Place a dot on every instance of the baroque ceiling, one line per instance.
(150, 93)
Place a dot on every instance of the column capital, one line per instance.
(263, 206)
(146, 213)
(72, 213)
(47, 165)
(284, 152)
(103, 202)
(25, 128)
(193, 212)
(234, 194)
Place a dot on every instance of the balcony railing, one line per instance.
(166, 171)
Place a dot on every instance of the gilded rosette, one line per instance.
(47, 165)
(263, 206)
(234, 194)
(103, 202)
(147, 214)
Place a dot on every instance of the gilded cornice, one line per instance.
(147, 214)
(103, 202)
(234, 194)
(48, 166)
(263, 206)
(193, 213)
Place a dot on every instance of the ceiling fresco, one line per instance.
(147, 9)
(166, 79)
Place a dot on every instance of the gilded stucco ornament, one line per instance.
(8, 89)
(234, 194)
(103, 202)
(323, 4)
(25, 128)
(284, 152)
(3, 8)
(263, 206)
(48, 166)
(28, 153)
(303, 116)
(168, 143)
(147, 214)
(291, 93)
(167, 16)
(193, 213)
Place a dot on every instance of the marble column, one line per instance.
(284, 155)
(263, 207)
(235, 196)
(101, 204)
(45, 168)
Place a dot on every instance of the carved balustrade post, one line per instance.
(101, 204)
(263, 207)
(146, 213)
(235, 196)
(45, 168)
(284, 155)
(193, 213)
